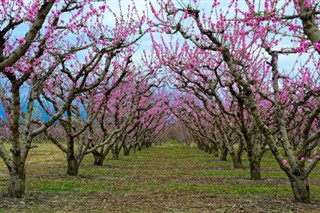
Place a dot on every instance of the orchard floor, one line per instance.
(167, 178)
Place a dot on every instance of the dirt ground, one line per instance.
(149, 181)
(155, 202)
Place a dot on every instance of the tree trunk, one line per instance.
(115, 153)
(237, 162)
(215, 152)
(138, 147)
(200, 147)
(126, 151)
(73, 167)
(224, 153)
(300, 188)
(255, 169)
(98, 158)
(143, 145)
(17, 181)
(17, 177)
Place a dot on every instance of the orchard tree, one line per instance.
(196, 120)
(188, 110)
(209, 127)
(152, 121)
(81, 115)
(248, 40)
(122, 106)
(175, 130)
(32, 62)
(113, 118)
(203, 77)
(134, 103)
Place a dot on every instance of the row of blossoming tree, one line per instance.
(67, 72)
(249, 73)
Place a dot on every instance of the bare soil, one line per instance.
(153, 202)
(147, 185)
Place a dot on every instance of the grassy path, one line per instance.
(168, 178)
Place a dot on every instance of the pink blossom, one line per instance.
(307, 3)
(293, 28)
(102, 7)
(317, 46)
(302, 159)
(68, 57)
(21, 41)
(7, 69)
(303, 46)
(36, 62)
(285, 162)
(26, 68)
(47, 33)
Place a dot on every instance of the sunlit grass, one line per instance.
(169, 168)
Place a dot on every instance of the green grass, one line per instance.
(224, 173)
(52, 186)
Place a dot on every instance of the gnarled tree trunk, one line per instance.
(138, 147)
(255, 153)
(143, 145)
(215, 151)
(224, 153)
(98, 158)
(126, 150)
(17, 180)
(300, 188)
(237, 161)
(255, 169)
(207, 149)
(148, 145)
(73, 166)
(115, 153)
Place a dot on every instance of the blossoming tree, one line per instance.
(34, 66)
(248, 39)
